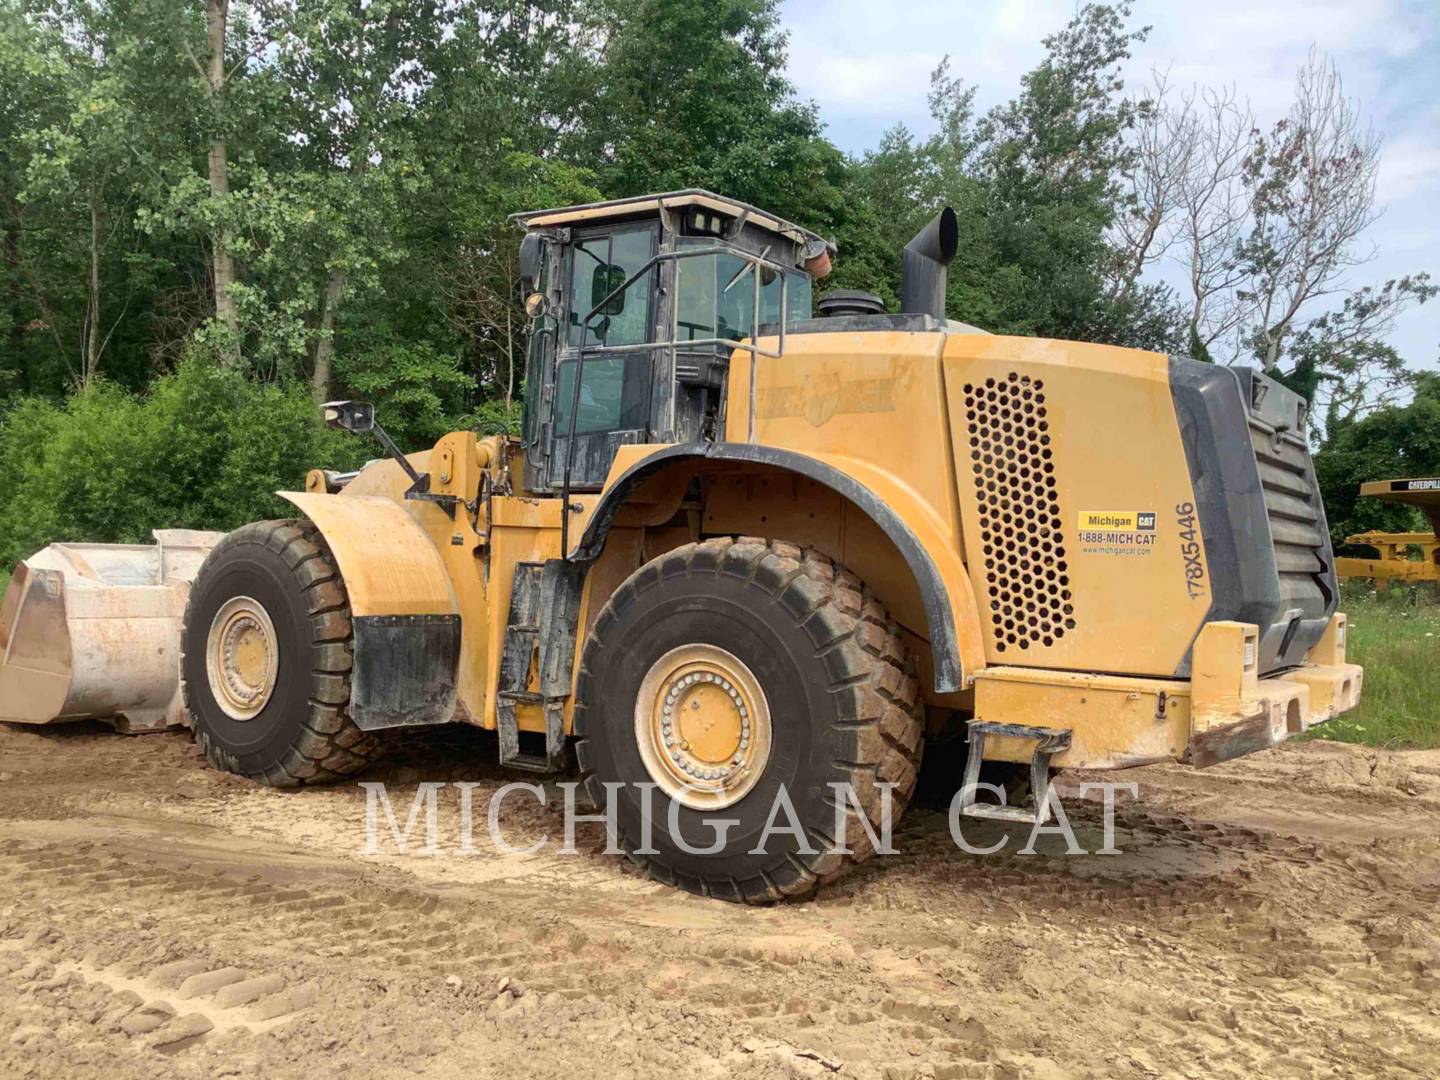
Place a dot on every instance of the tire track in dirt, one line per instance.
(1215, 945)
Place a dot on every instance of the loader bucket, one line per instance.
(92, 632)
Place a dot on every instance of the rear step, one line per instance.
(1048, 742)
(544, 609)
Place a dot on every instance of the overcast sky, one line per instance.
(867, 65)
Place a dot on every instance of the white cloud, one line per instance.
(862, 85)
(1410, 165)
(868, 68)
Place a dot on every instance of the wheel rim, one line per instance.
(241, 658)
(703, 726)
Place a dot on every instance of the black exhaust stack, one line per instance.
(923, 274)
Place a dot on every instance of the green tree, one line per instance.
(205, 447)
(34, 64)
(1392, 442)
(692, 93)
(1051, 162)
(1036, 187)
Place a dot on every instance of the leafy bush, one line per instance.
(1395, 442)
(493, 418)
(203, 448)
(417, 390)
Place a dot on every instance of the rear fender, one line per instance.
(402, 605)
(932, 558)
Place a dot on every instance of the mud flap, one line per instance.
(405, 670)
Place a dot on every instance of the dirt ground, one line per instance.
(1275, 917)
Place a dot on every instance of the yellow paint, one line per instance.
(1115, 721)
(1119, 721)
(708, 724)
(390, 565)
(1330, 649)
(527, 530)
(1116, 521)
(1224, 670)
(894, 412)
(821, 401)
(1394, 562)
(251, 656)
(1136, 597)
(1226, 688)
(702, 726)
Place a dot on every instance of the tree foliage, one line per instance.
(203, 447)
(1036, 184)
(1393, 442)
(231, 206)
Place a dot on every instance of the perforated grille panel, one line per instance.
(1020, 527)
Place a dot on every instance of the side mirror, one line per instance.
(350, 415)
(532, 254)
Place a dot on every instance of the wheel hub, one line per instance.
(242, 658)
(703, 726)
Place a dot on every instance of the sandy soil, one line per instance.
(1275, 917)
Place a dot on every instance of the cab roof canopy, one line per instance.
(671, 200)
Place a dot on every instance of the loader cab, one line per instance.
(649, 299)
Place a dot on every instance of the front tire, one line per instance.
(266, 661)
(822, 695)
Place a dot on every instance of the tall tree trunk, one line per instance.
(509, 355)
(16, 293)
(217, 14)
(332, 294)
(92, 322)
(325, 342)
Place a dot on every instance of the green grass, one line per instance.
(1395, 636)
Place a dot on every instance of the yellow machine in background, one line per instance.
(1394, 562)
(745, 549)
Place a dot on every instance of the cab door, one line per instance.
(616, 388)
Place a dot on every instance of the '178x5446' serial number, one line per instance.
(1190, 549)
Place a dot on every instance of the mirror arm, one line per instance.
(395, 452)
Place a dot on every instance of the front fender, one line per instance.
(403, 609)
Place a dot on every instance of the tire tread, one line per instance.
(327, 746)
(872, 680)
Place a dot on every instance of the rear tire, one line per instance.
(832, 679)
(283, 721)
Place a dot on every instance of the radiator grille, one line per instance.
(1020, 527)
(1297, 523)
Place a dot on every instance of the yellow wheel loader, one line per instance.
(1393, 561)
(751, 549)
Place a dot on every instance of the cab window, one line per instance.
(716, 297)
(601, 265)
(615, 395)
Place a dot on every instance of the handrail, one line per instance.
(756, 263)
